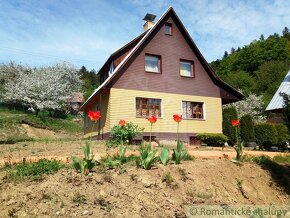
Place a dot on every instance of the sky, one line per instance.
(86, 32)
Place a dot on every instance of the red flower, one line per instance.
(94, 115)
(152, 119)
(177, 118)
(122, 122)
(235, 122)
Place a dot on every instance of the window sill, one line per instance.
(187, 76)
(168, 34)
(148, 117)
(194, 119)
(152, 72)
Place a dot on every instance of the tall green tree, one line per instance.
(247, 129)
(268, 78)
(90, 81)
(286, 109)
(229, 114)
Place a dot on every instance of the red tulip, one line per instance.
(152, 119)
(94, 115)
(177, 118)
(122, 122)
(235, 122)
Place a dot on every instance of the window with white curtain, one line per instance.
(152, 63)
(186, 68)
(192, 110)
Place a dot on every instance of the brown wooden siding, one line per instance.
(172, 49)
(119, 59)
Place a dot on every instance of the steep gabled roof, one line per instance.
(277, 102)
(145, 39)
(120, 51)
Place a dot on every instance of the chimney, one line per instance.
(149, 18)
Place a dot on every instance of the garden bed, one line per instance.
(163, 191)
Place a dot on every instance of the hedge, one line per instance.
(266, 135)
(229, 114)
(282, 134)
(247, 129)
(213, 139)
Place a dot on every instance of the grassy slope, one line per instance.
(11, 119)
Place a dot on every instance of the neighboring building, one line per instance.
(75, 102)
(160, 72)
(276, 104)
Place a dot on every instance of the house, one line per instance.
(74, 102)
(276, 104)
(160, 72)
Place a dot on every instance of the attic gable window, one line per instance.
(186, 68)
(152, 63)
(168, 28)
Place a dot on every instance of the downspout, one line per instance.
(99, 129)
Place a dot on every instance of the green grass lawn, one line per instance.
(11, 120)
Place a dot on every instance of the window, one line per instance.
(146, 107)
(186, 68)
(152, 63)
(192, 110)
(168, 28)
(111, 70)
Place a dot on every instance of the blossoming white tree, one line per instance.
(252, 105)
(44, 88)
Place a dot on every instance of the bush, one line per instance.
(126, 133)
(247, 129)
(282, 135)
(213, 139)
(230, 114)
(266, 135)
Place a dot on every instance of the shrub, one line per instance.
(229, 114)
(125, 133)
(247, 129)
(266, 135)
(213, 139)
(282, 134)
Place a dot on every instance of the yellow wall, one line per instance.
(122, 106)
(105, 114)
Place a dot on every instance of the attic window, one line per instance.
(168, 28)
(152, 63)
(186, 68)
(111, 70)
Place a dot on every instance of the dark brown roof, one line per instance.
(145, 38)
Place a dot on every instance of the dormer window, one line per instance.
(186, 68)
(111, 70)
(152, 63)
(168, 28)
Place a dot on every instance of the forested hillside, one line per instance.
(258, 67)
